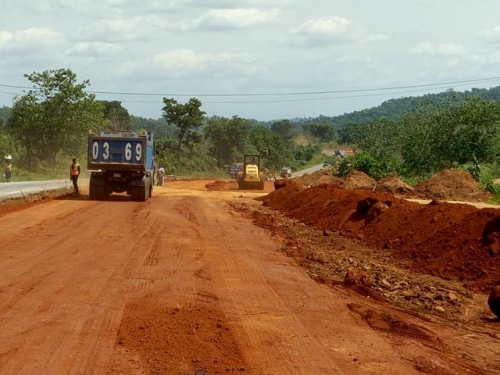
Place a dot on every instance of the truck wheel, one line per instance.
(101, 192)
(149, 188)
(134, 193)
(92, 191)
(143, 194)
(140, 193)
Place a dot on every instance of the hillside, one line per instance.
(394, 109)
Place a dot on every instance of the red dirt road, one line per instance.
(183, 284)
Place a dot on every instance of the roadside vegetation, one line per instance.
(412, 138)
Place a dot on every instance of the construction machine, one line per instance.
(251, 176)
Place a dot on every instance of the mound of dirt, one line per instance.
(449, 184)
(449, 240)
(318, 178)
(280, 197)
(452, 184)
(222, 185)
(358, 180)
(393, 185)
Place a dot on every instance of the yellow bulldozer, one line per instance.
(251, 177)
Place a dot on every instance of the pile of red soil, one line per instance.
(393, 185)
(222, 185)
(452, 184)
(449, 184)
(452, 241)
(358, 180)
(318, 178)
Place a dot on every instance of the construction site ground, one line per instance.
(320, 276)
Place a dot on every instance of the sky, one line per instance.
(257, 59)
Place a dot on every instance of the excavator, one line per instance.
(251, 177)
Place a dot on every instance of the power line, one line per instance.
(427, 85)
(306, 99)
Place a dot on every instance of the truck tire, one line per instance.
(101, 192)
(138, 193)
(150, 187)
(142, 193)
(97, 188)
(134, 193)
(92, 191)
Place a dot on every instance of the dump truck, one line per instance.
(121, 161)
(251, 176)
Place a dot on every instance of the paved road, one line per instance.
(308, 170)
(20, 189)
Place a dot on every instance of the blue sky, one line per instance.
(260, 59)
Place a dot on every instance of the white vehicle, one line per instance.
(286, 172)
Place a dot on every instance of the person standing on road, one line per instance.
(74, 172)
(160, 175)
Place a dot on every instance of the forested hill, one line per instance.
(394, 109)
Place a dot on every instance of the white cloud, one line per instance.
(32, 38)
(94, 48)
(119, 30)
(491, 35)
(322, 31)
(325, 26)
(231, 3)
(437, 49)
(220, 46)
(216, 19)
(185, 61)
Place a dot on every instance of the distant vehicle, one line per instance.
(235, 169)
(286, 172)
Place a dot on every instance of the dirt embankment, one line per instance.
(449, 240)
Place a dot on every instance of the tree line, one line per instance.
(435, 136)
(49, 124)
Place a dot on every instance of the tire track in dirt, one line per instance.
(257, 302)
(78, 286)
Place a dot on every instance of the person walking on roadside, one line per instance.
(160, 175)
(7, 172)
(74, 172)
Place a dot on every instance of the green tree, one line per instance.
(118, 117)
(272, 148)
(440, 137)
(283, 128)
(54, 117)
(323, 132)
(228, 138)
(186, 117)
(382, 138)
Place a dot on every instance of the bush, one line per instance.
(366, 163)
